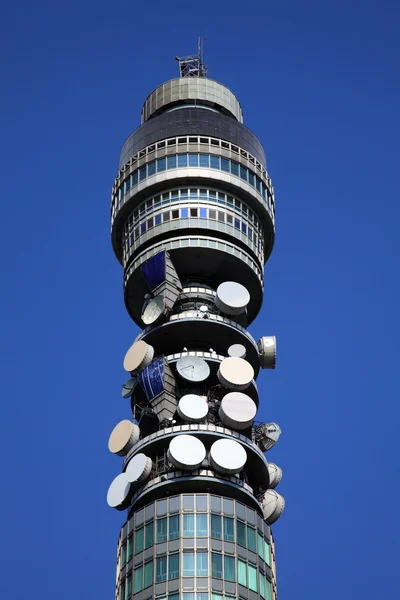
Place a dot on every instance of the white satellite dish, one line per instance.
(237, 410)
(153, 310)
(272, 505)
(123, 437)
(235, 373)
(193, 368)
(139, 468)
(275, 475)
(232, 298)
(227, 456)
(192, 408)
(237, 350)
(119, 492)
(186, 452)
(139, 356)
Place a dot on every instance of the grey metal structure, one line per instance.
(192, 224)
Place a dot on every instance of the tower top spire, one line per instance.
(193, 66)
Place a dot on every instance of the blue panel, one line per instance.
(152, 378)
(153, 270)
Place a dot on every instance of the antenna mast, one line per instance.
(193, 66)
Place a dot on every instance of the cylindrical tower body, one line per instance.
(192, 216)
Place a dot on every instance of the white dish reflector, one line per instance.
(235, 373)
(186, 452)
(138, 357)
(119, 492)
(192, 408)
(272, 505)
(123, 437)
(138, 468)
(237, 410)
(232, 298)
(227, 456)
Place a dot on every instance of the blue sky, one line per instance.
(319, 85)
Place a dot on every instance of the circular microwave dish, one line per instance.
(192, 408)
(232, 298)
(235, 373)
(275, 475)
(119, 492)
(153, 309)
(138, 357)
(123, 437)
(129, 387)
(237, 410)
(193, 368)
(227, 456)
(237, 350)
(267, 351)
(186, 452)
(138, 468)
(272, 505)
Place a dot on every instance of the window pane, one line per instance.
(142, 173)
(161, 530)
(225, 164)
(173, 564)
(201, 525)
(229, 535)
(266, 553)
(234, 168)
(188, 596)
(129, 587)
(268, 592)
(122, 591)
(151, 168)
(258, 184)
(123, 555)
(174, 527)
(251, 178)
(229, 568)
(202, 564)
(216, 565)
(182, 160)
(261, 582)
(243, 173)
(241, 533)
(193, 160)
(252, 574)
(138, 579)
(148, 574)
(202, 596)
(184, 213)
(251, 539)
(161, 569)
(157, 220)
(161, 164)
(130, 548)
(188, 525)
(214, 162)
(149, 538)
(242, 573)
(166, 216)
(216, 596)
(216, 531)
(204, 160)
(237, 224)
(139, 537)
(143, 228)
(203, 213)
(134, 177)
(171, 162)
(188, 564)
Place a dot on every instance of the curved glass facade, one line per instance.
(198, 544)
(193, 160)
(191, 207)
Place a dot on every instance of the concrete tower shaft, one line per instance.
(192, 223)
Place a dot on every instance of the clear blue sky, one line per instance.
(319, 84)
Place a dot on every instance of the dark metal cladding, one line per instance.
(187, 121)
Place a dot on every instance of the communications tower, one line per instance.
(192, 221)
